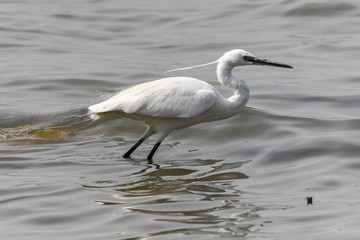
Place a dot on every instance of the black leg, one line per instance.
(128, 153)
(156, 146)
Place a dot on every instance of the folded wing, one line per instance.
(178, 97)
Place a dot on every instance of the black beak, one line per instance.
(261, 61)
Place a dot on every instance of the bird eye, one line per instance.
(246, 58)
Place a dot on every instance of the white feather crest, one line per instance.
(191, 67)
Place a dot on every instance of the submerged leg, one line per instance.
(133, 148)
(147, 134)
(162, 136)
(153, 150)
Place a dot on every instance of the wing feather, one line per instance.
(179, 97)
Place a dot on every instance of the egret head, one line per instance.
(236, 57)
(239, 57)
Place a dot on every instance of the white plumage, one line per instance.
(177, 102)
(179, 97)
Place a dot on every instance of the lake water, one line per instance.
(248, 177)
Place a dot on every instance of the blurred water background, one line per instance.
(248, 177)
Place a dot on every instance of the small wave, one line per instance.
(320, 9)
(42, 129)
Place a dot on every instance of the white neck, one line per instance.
(241, 90)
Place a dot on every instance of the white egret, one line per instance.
(179, 102)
